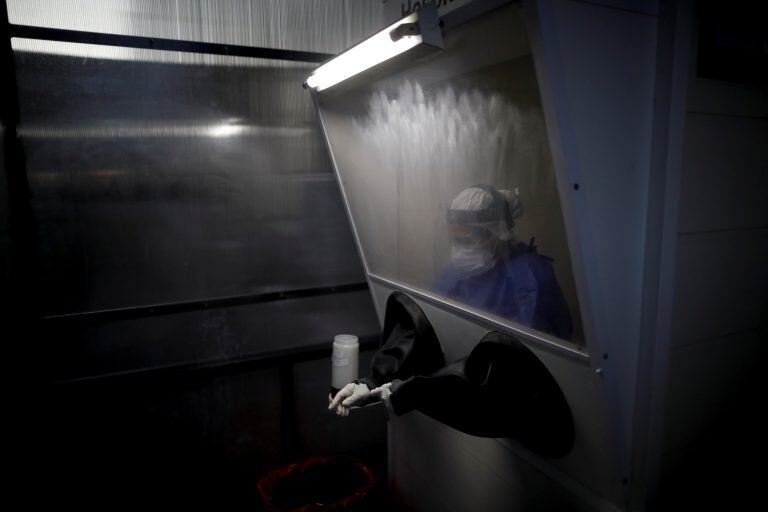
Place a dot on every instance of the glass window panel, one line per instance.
(163, 177)
(310, 25)
(413, 146)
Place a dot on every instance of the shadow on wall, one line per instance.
(722, 469)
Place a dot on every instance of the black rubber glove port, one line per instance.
(409, 344)
(500, 390)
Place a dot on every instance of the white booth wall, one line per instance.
(713, 300)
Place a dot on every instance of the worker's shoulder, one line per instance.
(527, 259)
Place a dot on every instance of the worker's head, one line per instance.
(478, 219)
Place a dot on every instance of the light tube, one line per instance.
(372, 51)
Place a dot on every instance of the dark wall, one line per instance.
(5, 233)
(714, 429)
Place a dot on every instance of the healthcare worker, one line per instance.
(491, 270)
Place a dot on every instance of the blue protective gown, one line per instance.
(521, 287)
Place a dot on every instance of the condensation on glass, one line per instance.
(406, 146)
(310, 25)
(164, 177)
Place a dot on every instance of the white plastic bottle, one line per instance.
(344, 361)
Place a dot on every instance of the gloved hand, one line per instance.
(349, 395)
(383, 393)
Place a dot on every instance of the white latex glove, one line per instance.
(347, 397)
(383, 393)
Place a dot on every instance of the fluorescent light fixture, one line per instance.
(422, 26)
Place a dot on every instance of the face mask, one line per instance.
(471, 260)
